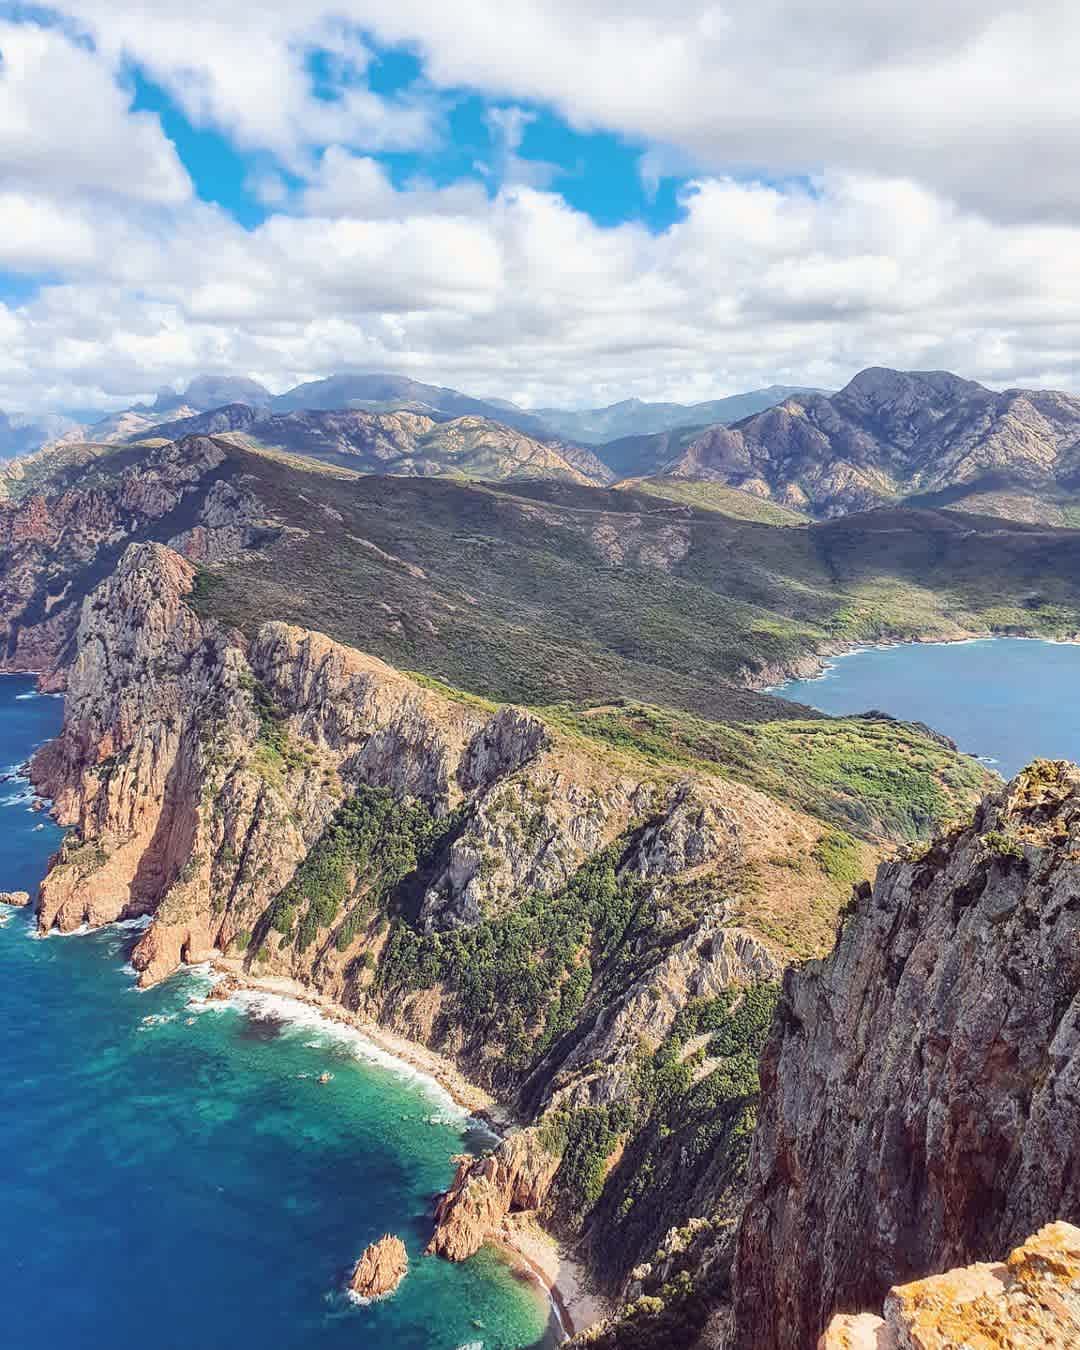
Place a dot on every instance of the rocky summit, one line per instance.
(892, 435)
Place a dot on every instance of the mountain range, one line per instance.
(926, 438)
(891, 435)
(635, 417)
(397, 442)
(398, 393)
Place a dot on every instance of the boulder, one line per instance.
(380, 1269)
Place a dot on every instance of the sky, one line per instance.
(559, 202)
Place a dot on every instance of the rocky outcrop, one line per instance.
(59, 540)
(515, 1177)
(1031, 1302)
(919, 1091)
(381, 1268)
(16, 898)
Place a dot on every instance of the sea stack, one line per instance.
(14, 898)
(381, 1268)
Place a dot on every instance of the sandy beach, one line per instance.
(522, 1240)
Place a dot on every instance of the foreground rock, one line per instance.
(14, 898)
(381, 1268)
(516, 1176)
(919, 1088)
(1032, 1302)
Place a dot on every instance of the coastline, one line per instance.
(522, 1241)
(817, 664)
(427, 1063)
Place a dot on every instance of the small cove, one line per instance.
(1007, 700)
(173, 1177)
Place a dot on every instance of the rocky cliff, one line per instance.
(919, 1089)
(68, 512)
(557, 920)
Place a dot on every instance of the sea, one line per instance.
(174, 1176)
(1006, 700)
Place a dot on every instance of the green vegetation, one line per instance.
(840, 857)
(1001, 844)
(709, 496)
(521, 977)
(201, 595)
(875, 777)
(583, 1140)
(373, 842)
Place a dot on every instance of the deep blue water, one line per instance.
(174, 1185)
(1009, 700)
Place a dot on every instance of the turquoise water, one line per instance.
(176, 1186)
(1009, 700)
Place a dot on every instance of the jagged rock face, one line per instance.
(1031, 1302)
(919, 1090)
(692, 831)
(381, 1268)
(55, 546)
(516, 1177)
(715, 957)
(886, 435)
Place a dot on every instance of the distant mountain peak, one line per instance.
(213, 391)
(880, 385)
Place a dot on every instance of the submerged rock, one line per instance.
(1032, 1302)
(381, 1268)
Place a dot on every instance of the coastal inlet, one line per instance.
(183, 1175)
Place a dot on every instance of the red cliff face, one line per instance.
(919, 1090)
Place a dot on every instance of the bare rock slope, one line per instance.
(920, 1087)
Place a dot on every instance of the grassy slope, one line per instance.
(546, 592)
(710, 496)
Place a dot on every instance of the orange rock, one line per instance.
(381, 1268)
(857, 1331)
(1031, 1302)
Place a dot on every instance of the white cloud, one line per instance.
(344, 184)
(928, 213)
(526, 298)
(66, 124)
(974, 98)
(244, 69)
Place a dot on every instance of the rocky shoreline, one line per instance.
(521, 1240)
